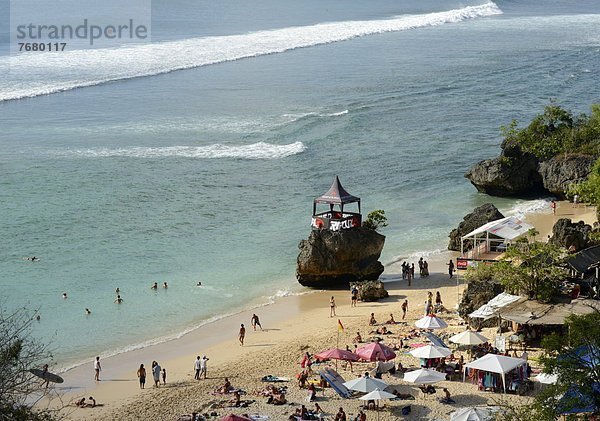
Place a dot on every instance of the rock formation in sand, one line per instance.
(573, 236)
(336, 258)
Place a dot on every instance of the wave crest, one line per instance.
(260, 150)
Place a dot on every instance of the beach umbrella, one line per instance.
(430, 351)
(471, 414)
(468, 337)
(233, 417)
(376, 351)
(377, 395)
(424, 376)
(546, 378)
(337, 354)
(431, 322)
(365, 384)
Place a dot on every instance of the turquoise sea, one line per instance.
(196, 157)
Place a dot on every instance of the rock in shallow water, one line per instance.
(480, 216)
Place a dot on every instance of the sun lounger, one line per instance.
(336, 382)
(435, 340)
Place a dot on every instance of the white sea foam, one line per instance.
(522, 207)
(81, 68)
(260, 150)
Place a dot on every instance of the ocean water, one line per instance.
(196, 158)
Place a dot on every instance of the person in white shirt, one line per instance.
(197, 366)
(203, 366)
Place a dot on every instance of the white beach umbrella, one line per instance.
(471, 414)
(377, 395)
(365, 384)
(546, 378)
(424, 376)
(431, 322)
(430, 351)
(468, 337)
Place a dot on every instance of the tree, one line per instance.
(375, 220)
(531, 270)
(575, 358)
(18, 353)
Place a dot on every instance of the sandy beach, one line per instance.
(292, 326)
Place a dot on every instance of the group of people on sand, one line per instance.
(157, 373)
(430, 308)
(81, 403)
(255, 322)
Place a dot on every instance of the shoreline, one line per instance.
(290, 314)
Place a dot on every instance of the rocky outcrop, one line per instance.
(336, 258)
(572, 236)
(560, 172)
(370, 290)
(507, 175)
(515, 173)
(480, 216)
(477, 294)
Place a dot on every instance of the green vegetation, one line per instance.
(19, 353)
(554, 132)
(375, 220)
(575, 359)
(527, 268)
(589, 190)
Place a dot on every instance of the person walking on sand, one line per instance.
(404, 308)
(332, 307)
(255, 322)
(197, 367)
(242, 334)
(156, 373)
(553, 206)
(97, 369)
(450, 268)
(164, 376)
(203, 366)
(141, 373)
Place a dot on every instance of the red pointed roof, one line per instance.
(337, 195)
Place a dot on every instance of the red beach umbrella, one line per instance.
(337, 354)
(376, 351)
(233, 417)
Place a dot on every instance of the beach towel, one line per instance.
(274, 379)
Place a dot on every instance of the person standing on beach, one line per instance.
(141, 373)
(203, 366)
(450, 268)
(425, 268)
(197, 366)
(97, 369)
(332, 307)
(553, 206)
(354, 296)
(404, 308)
(242, 334)
(421, 267)
(164, 376)
(255, 322)
(156, 373)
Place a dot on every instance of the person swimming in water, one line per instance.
(165, 285)
(199, 284)
(87, 311)
(154, 285)
(64, 295)
(118, 300)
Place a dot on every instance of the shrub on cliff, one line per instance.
(553, 132)
(375, 220)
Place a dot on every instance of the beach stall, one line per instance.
(491, 370)
(489, 241)
(336, 218)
